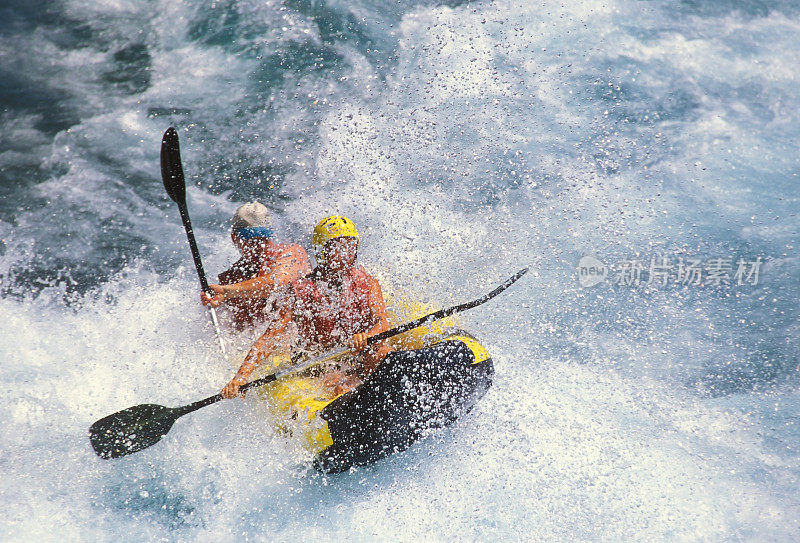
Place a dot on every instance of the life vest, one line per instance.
(260, 263)
(327, 317)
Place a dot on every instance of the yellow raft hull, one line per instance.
(435, 373)
(295, 401)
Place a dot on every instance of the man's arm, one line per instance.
(269, 343)
(292, 265)
(257, 287)
(358, 342)
(378, 307)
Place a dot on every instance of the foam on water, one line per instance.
(466, 140)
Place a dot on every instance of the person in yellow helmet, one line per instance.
(338, 304)
(265, 265)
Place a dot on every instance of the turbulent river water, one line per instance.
(641, 157)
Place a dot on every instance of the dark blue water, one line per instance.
(466, 140)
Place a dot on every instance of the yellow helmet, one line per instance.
(335, 226)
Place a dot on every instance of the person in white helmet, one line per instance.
(264, 266)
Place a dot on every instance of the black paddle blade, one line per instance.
(171, 169)
(131, 430)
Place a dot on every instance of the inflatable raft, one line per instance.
(411, 393)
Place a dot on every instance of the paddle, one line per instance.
(174, 182)
(138, 427)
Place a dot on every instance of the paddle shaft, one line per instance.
(370, 340)
(201, 274)
(198, 263)
(181, 411)
(442, 313)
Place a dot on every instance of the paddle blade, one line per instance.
(131, 430)
(171, 168)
